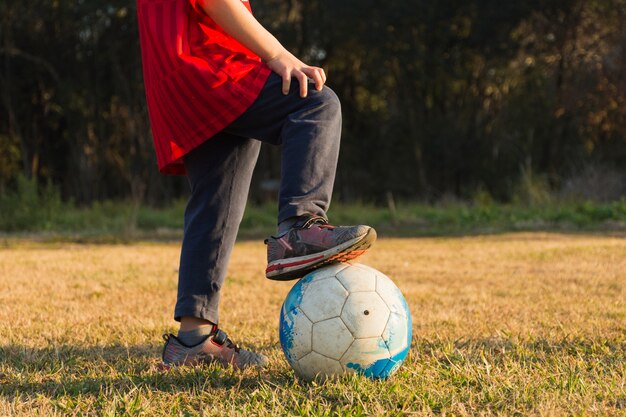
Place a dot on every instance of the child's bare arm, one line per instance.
(235, 19)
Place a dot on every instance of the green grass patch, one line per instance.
(40, 210)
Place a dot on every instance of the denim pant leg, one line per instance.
(219, 173)
(308, 131)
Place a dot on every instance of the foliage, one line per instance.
(439, 98)
(35, 210)
(447, 98)
(31, 207)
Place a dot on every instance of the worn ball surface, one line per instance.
(343, 318)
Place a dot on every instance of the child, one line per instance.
(217, 85)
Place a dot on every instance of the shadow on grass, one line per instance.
(70, 370)
(60, 371)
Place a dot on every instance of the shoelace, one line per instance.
(305, 223)
(308, 222)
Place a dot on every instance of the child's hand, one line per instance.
(239, 23)
(288, 66)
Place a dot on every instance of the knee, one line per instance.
(329, 102)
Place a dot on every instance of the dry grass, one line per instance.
(526, 324)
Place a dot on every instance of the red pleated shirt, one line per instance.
(198, 79)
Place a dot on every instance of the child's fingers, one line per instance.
(286, 82)
(317, 74)
(319, 78)
(304, 83)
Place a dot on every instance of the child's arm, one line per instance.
(235, 19)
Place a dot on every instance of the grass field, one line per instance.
(509, 324)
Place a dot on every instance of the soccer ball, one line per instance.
(343, 318)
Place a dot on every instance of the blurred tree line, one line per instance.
(440, 99)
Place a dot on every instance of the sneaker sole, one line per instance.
(295, 268)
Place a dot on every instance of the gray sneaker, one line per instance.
(217, 347)
(313, 243)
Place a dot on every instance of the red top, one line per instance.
(198, 79)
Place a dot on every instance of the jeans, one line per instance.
(219, 171)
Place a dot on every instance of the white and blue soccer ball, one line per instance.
(344, 318)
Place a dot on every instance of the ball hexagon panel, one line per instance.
(391, 295)
(366, 268)
(328, 271)
(365, 314)
(397, 334)
(391, 368)
(331, 338)
(323, 299)
(357, 278)
(294, 297)
(367, 356)
(295, 334)
(314, 363)
(296, 367)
